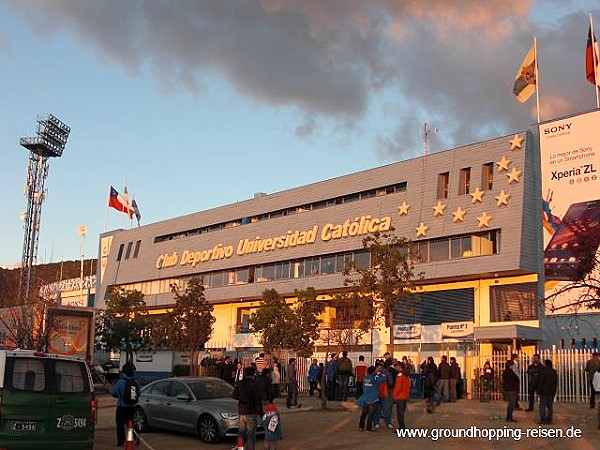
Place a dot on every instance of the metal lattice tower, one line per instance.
(50, 142)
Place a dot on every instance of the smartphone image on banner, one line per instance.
(574, 243)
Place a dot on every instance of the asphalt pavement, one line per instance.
(462, 425)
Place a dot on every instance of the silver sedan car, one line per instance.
(198, 405)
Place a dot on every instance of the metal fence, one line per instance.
(569, 363)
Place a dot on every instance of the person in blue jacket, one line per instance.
(369, 400)
(125, 410)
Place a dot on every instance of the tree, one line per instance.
(23, 326)
(583, 291)
(288, 326)
(390, 278)
(354, 317)
(123, 325)
(190, 321)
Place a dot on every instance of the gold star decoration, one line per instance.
(513, 175)
(503, 164)
(502, 198)
(403, 208)
(477, 196)
(484, 220)
(516, 142)
(422, 229)
(438, 210)
(459, 215)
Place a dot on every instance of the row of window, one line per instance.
(583, 343)
(136, 250)
(464, 181)
(349, 198)
(433, 250)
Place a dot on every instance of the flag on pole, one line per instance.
(136, 211)
(526, 78)
(592, 69)
(119, 202)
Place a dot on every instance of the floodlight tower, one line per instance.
(52, 135)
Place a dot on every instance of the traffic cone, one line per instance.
(129, 440)
(240, 443)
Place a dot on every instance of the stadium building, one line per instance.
(474, 212)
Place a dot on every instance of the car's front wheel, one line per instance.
(140, 420)
(208, 429)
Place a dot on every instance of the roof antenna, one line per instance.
(426, 132)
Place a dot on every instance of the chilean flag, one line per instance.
(119, 203)
(591, 59)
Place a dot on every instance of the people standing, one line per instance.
(429, 371)
(510, 383)
(239, 372)
(369, 400)
(266, 386)
(547, 386)
(596, 388)
(487, 382)
(401, 393)
(276, 378)
(313, 377)
(409, 367)
(591, 367)
(534, 371)
(384, 408)
(517, 370)
(360, 371)
(444, 378)
(344, 371)
(454, 377)
(126, 391)
(291, 380)
(331, 377)
(250, 408)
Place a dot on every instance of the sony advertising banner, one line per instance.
(570, 165)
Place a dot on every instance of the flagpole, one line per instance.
(537, 79)
(595, 61)
(106, 214)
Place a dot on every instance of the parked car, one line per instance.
(46, 401)
(197, 405)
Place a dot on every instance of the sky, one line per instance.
(196, 104)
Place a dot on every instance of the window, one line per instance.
(362, 259)
(433, 308)
(327, 264)
(136, 251)
(513, 302)
(442, 186)
(28, 375)
(69, 377)
(464, 181)
(487, 176)
(438, 250)
(128, 252)
(120, 253)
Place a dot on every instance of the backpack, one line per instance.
(596, 381)
(131, 392)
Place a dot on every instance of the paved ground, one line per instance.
(336, 428)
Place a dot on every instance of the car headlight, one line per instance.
(229, 415)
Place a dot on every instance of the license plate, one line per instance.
(25, 426)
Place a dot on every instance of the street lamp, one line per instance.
(82, 230)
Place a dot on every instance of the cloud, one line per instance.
(449, 63)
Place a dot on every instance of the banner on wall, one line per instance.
(457, 329)
(570, 164)
(407, 331)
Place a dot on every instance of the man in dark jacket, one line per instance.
(248, 395)
(547, 388)
(444, 378)
(510, 384)
(533, 377)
